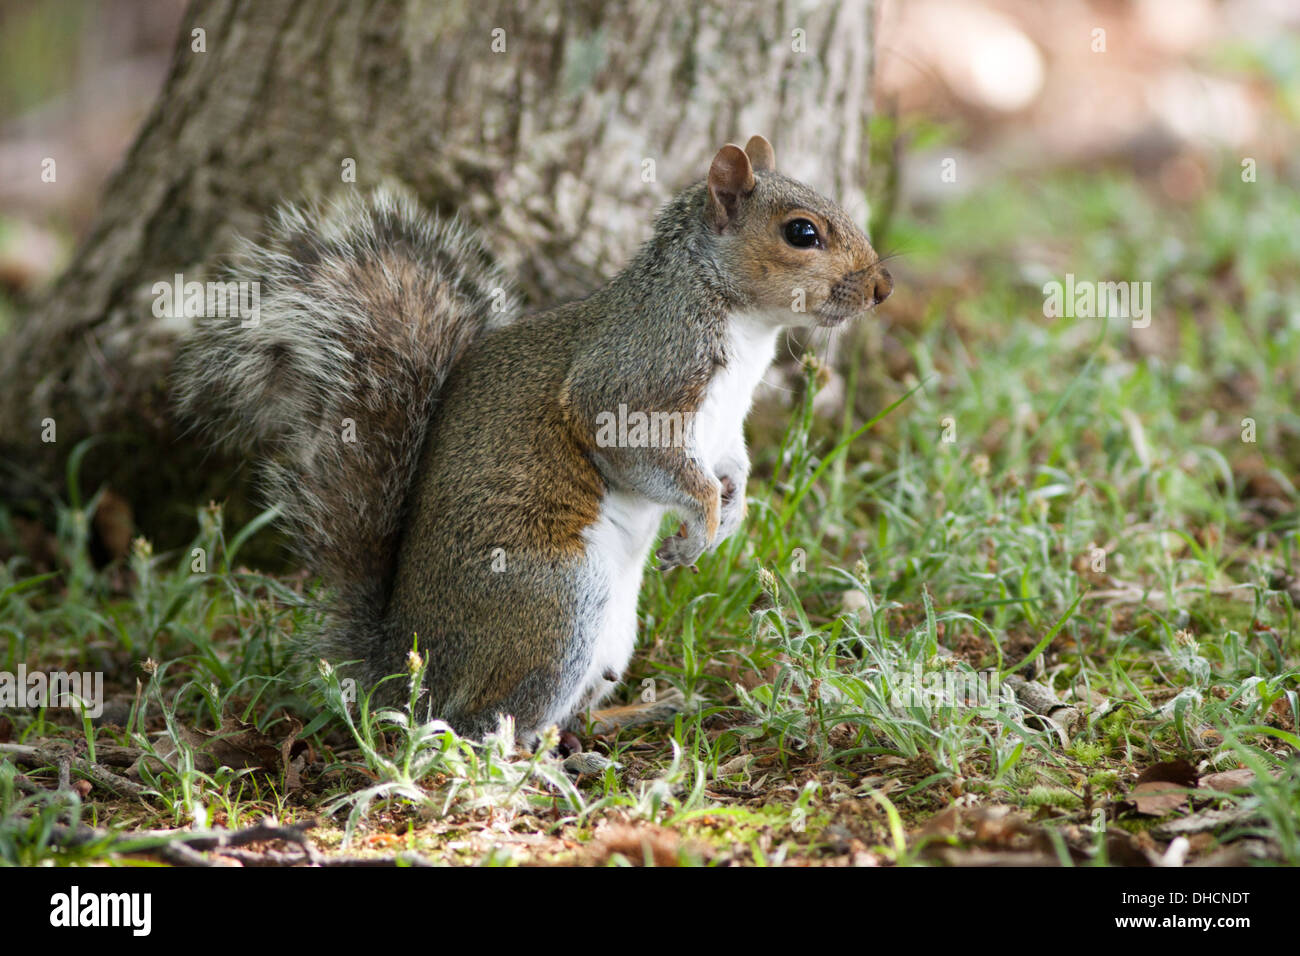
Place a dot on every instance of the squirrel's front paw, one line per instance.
(732, 514)
(681, 550)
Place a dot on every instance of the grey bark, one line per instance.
(559, 145)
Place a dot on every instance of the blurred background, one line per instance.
(1010, 143)
(1169, 92)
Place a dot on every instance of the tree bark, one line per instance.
(557, 126)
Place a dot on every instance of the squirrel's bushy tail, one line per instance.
(365, 306)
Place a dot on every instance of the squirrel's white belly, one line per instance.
(618, 543)
(619, 540)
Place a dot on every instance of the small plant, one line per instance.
(403, 751)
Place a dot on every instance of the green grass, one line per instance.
(958, 534)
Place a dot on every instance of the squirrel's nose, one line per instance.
(878, 286)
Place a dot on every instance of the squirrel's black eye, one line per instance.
(802, 234)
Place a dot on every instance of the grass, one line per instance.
(1068, 501)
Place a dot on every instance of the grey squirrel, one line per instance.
(484, 507)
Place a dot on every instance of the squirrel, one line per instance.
(487, 508)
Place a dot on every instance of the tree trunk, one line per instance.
(557, 126)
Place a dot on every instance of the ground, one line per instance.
(1088, 526)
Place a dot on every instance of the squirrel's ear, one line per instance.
(761, 154)
(731, 179)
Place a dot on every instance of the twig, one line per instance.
(259, 832)
(181, 848)
(266, 857)
(178, 854)
(41, 756)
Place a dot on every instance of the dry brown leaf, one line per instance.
(236, 744)
(999, 825)
(1159, 787)
(1228, 780)
(636, 844)
(1169, 771)
(942, 824)
(1157, 798)
(295, 754)
(1126, 849)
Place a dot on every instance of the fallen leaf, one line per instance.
(236, 744)
(999, 825)
(943, 824)
(295, 754)
(1159, 787)
(1126, 849)
(1169, 771)
(1156, 799)
(636, 844)
(1228, 780)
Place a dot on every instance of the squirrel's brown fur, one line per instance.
(476, 508)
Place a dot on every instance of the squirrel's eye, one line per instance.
(802, 234)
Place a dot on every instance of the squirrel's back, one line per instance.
(365, 306)
(489, 496)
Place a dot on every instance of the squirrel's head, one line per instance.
(793, 253)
